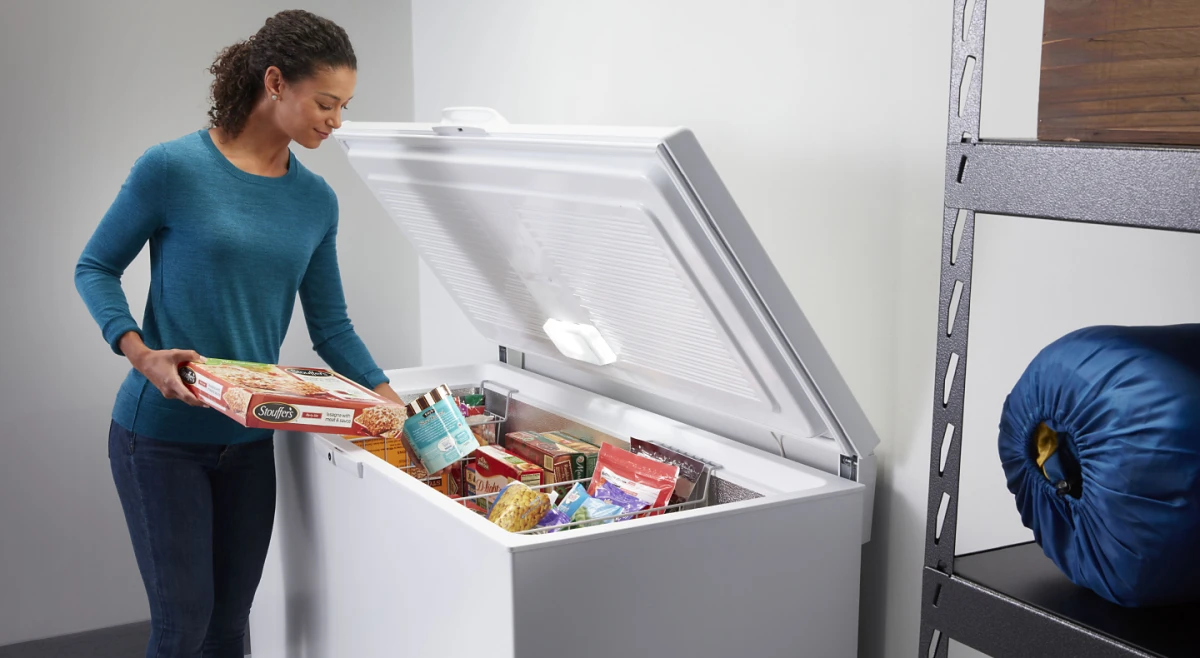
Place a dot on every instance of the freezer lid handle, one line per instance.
(335, 456)
(467, 121)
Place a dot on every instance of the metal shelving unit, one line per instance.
(1012, 601)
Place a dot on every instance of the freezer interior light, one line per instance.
(581, 342)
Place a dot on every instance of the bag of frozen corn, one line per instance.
(519, 508)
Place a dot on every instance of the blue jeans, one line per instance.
(200, 517)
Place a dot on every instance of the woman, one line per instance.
(237, 227)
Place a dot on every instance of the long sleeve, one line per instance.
(329, 326)
(132, 218)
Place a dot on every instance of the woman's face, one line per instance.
(309, 110)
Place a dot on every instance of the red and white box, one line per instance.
(287, 398)
(494, 468)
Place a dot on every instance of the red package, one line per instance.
(648, 480)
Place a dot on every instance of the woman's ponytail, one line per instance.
(235, 89)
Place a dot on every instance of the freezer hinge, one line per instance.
(512, 357)
(849, 468)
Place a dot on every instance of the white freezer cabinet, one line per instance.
(632, 299)
(368, 561)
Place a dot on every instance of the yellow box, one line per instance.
(392, 451)
(389, 450)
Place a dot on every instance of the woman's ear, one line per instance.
(273, 82)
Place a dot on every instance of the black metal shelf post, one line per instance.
(1013, 601)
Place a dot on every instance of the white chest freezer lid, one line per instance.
(618, 251)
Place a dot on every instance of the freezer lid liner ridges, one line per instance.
(627, 231)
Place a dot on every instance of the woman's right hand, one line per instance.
(161, 367)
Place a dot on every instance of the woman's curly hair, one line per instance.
(295, 41)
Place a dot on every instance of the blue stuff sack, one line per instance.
(1100, 443)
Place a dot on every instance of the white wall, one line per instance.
(88, 87)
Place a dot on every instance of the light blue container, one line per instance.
(437, 431)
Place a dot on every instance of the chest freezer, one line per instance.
(632, 300)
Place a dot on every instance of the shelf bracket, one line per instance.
(958, 239)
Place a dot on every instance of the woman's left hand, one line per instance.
(386, 391)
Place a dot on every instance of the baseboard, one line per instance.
(114, 642)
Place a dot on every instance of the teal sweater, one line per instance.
(229, 251)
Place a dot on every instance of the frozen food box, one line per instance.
(439, 481)
(392, 451)
(471, 405)
(456, 479)
(389, 450)
(561, 462)
(494, 468)
(485, 434)
(572, 442)
(286, 398)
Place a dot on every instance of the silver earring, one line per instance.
(274, 97)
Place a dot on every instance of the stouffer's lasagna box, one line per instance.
(286, 398)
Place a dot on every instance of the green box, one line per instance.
(590, 452)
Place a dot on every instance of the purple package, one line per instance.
(610, 493)
(554, 517)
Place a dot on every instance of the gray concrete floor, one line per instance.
(117, 642)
